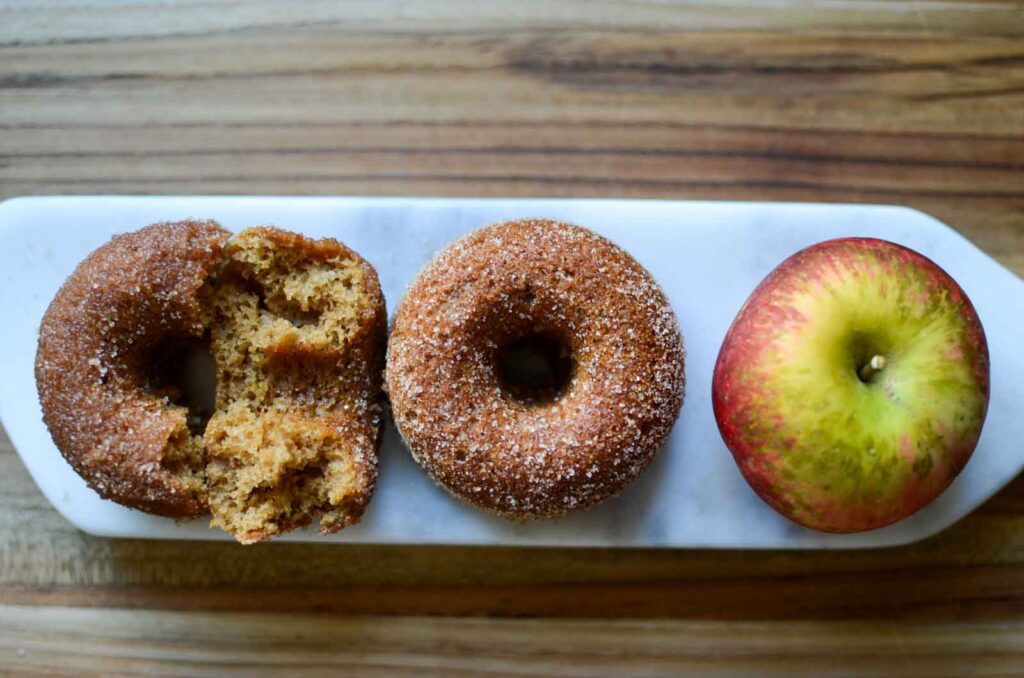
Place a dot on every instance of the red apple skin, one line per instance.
(903, 436)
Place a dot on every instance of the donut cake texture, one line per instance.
(296, 330)
(596, 417)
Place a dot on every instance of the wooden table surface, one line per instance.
(917, 103)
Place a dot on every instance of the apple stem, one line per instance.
(873, 366)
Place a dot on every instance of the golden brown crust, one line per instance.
(93, 364)
(497, 285)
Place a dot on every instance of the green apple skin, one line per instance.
(823, 442)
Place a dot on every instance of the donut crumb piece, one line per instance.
(283, 445)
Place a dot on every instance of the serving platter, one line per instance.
(708, 256)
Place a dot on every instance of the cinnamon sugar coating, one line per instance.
(528, 459)
(97, 341)
(296, 328)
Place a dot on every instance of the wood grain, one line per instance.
(917, 103)
(47, 641)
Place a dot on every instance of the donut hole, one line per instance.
(187, 377)
(536, 368)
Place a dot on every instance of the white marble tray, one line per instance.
(708, 256)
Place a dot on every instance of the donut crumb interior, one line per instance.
(280, 318)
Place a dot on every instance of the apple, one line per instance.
(853, 384)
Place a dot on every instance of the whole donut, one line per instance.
(98, 342)
(564, 451)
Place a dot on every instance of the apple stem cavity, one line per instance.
(871, 368)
